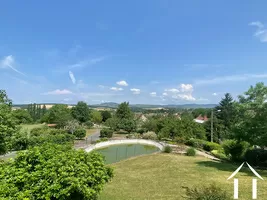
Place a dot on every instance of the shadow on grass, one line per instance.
(229, 167)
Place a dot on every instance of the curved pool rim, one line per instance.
(126, 141)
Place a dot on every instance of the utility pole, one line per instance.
(211, 127)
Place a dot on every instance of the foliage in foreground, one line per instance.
(54, 172)
(211, 192)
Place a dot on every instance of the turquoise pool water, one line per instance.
(115, 153)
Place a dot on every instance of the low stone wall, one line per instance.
(126, 141)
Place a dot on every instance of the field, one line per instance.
(162, 176)
(29, 127)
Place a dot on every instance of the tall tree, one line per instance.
(105, 115)
(7, 122)
(252, 115)
(81, 112)
(58, 114)
(96, 116)
(124, 112)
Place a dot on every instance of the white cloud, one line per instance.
(116, 89)
(173, 90)
(101, 86)
(9, 62)
(231, 78)
(164, 94)
(261, 32)
(153, 94)
(72, 77)
(214, 94)
(122, 83)
(67, 99)
(186, 87)
(135, 90)
(187, 97)
(58, 92)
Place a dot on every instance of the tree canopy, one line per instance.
(54, 172)
(81, 112)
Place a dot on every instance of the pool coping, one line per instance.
(125, 141)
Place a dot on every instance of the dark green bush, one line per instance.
(39, 131)
(141, 130)
(102, 140)
(257, 157)
(106, 133)
(89, 124)
(209, 146)
(191, 151)
(80, 133)
(211, 192)
(57, 131)
(219, 154)
(235, 150)
(197, 143)
(167, 149)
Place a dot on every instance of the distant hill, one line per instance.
(143, 106)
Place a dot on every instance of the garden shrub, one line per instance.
(191, 151)
(141, 130)
(219, 154)
(80, 133)
(150, 135)
(209, 146)
(235, 150)
(256, 157)
(39, 131)
(167, 149)
(134, 136)
(197, 143)
(106, 133)
(89, 124)
(57, 131)
(211, 192)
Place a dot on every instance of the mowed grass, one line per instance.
(29, 127)
(162, 176)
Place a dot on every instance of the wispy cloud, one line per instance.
(72, 77)
(173, 90)
(9, 62)
(122, 83)
(214, 94)
(261, 31)
(232, 78)
(164, 94)
(187, 97)
(135, 90)
(116, 89)
(58, 92)
(87, 62)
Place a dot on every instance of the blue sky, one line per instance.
(142, 51)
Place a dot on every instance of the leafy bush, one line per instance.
(211, 192)
(257, 157)
(219, 154)
(57, 131)
(141, 130)
(150, 135)
(235, 150)
(46, 138)
(134, 136)
(167, 149)
(106, 133)
(197, 143)
(20, 140)
(80, 133)
(39, 131)
(89, 124)
(209, 146)
(37, 174)
(191, 151)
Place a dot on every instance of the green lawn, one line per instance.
(161, 176)
(29, 127)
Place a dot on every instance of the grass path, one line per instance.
(162, 176)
